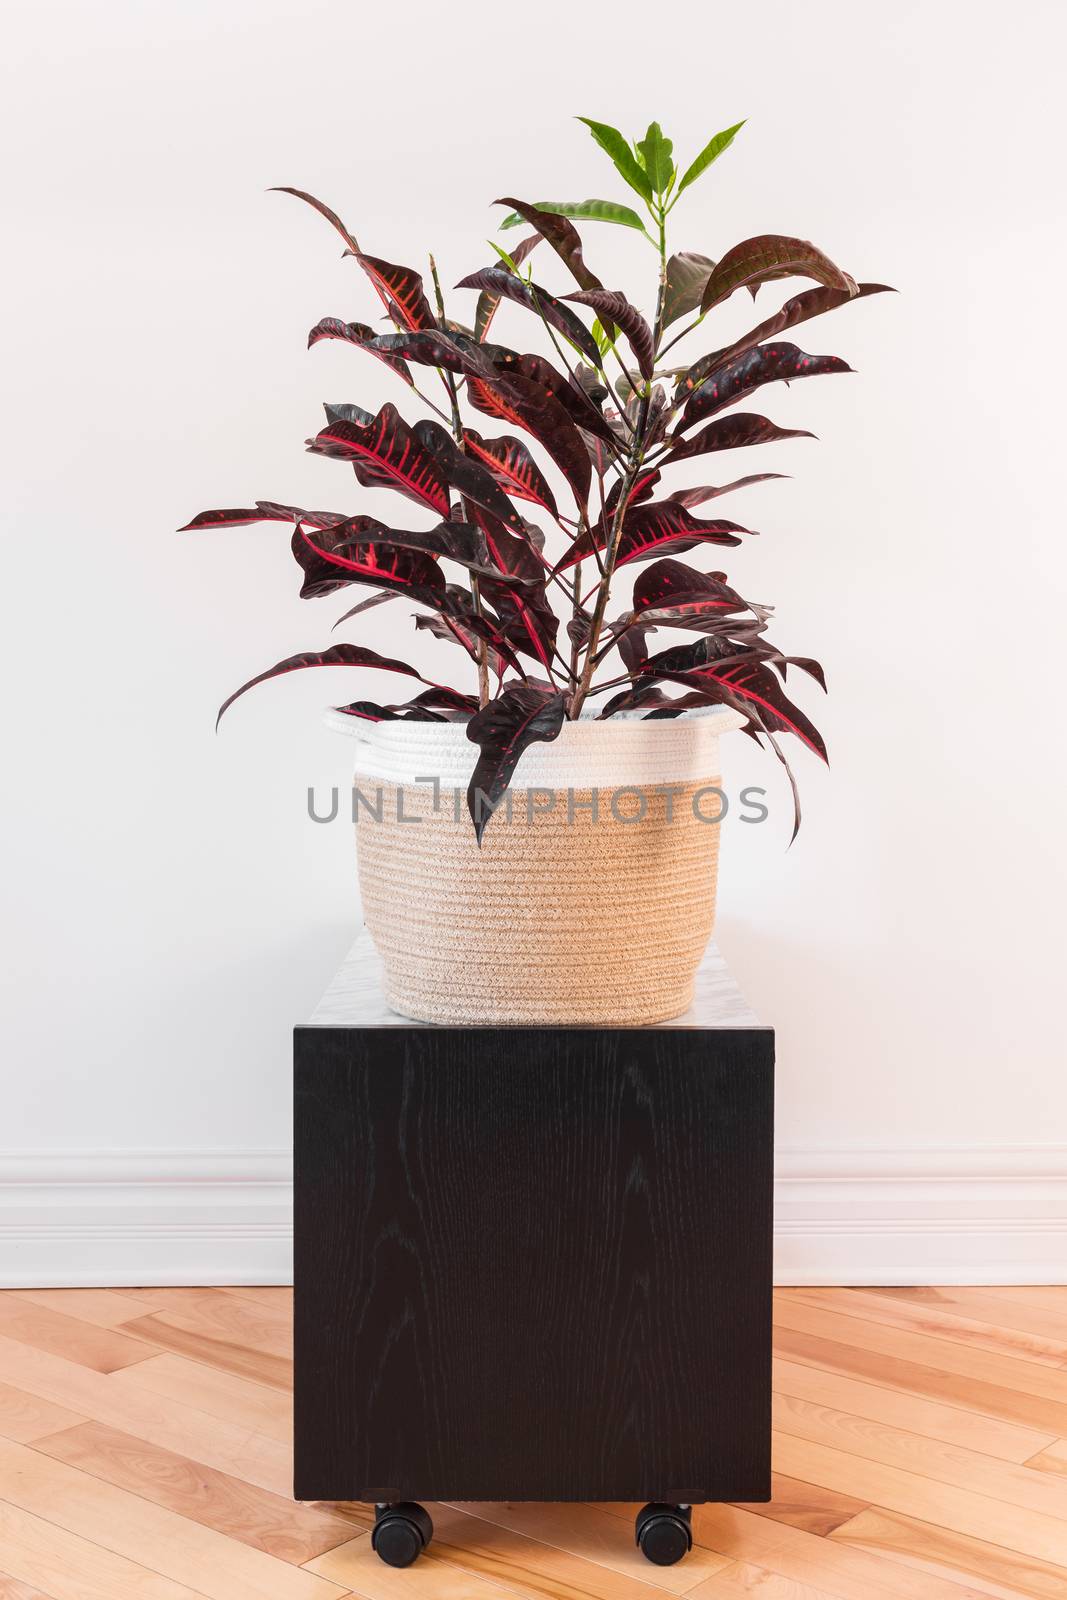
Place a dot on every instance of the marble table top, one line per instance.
(354, 997)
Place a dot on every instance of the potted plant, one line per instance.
(546, 549)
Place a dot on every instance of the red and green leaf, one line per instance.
(502, 730)
(741, 376)
(385, 453)
(771, 255)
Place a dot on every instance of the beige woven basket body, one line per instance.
(592, 897)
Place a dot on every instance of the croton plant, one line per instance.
(563, 574)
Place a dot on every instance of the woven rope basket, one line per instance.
(592, 897)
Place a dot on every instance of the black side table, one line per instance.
(532, 1263)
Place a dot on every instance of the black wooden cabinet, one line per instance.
(533, 1263)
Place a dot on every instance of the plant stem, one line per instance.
(457, 432)
(633, 467)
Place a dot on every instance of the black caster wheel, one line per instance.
(401, 1532)
(664, 1532)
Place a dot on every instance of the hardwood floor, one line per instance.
(920, 1446)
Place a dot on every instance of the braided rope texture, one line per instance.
(559, 918)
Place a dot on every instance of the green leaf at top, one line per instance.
(592, 210)
(655, 153)
(626, 163)
(711, 152)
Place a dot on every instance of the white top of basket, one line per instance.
(587, 754)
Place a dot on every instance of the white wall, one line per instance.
(171, 909)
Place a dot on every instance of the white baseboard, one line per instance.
(112, 1217)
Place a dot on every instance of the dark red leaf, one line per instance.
(349, 238)
(486, 308)
(771, 255)
(386, 566)
(709, 491)
(687, 273)
(801, 308)
(730, 433)
(613, 307)
(749, 682)
(499, 281)
(528, 621)
(562, 235)
(526, 404)
(448, 541)
(360, 334)
(653, 529)
(502, 730)
(456, 707)
(401, 287)
(457, 622)
(467, 475)
(242, 518)
(386, 453)
(598, 533)
(767, 363)
(508, 459)
(339, 655)
(368, 604)
(671, 592)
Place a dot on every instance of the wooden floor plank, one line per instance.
(268, 1522)
(945, 1355)
(26, 1417)
(742, 1580)
(989, 1568)
(930, 1458)
(224, 1445)
(806, 1505)
(981, 1305)
(960, 1510)
(279, 1298)
(229, 1318)
(989, 1399)
(597, 1537)
(934, 1420)
(127, 1525)
(102, 1349)
(228, 1351)
(803, 1558)
(1054, 1459)
(939, 1323)
(232, 1398)
(107, 1308)
(1053, 1296)
(66, 1567)
(12, 1589)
